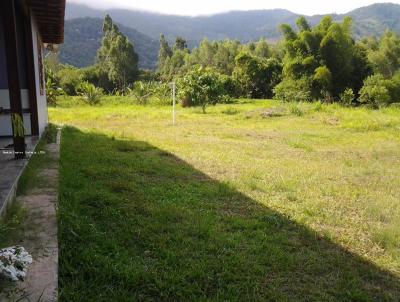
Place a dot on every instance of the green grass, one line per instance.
(10, 225)
(29, 179)
(233, 205)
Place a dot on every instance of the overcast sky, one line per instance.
(205, 7)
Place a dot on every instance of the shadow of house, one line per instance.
(139, 224)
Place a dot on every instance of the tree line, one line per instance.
(322, 62)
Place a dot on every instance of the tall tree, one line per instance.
(180, 44)
(326, 54)
(385, 58)
(256, 76)
(164, 54)
(262, 49)
(116, 55)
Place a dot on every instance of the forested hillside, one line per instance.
(321, 62)
(242, 25)
(83, 38)
(83, 34)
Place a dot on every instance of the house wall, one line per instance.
(5, 119)
(41, 97)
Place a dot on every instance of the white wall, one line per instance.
(41, 99)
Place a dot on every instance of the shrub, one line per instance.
(323, 79)
(230, 85)
(141, 92)
(162, 93)
(70, 78)
(52, 92)
(374, 95)
(377, 91)
(290, 90)
(90, 93)
(201, 87)
(296, 110)
(347, 97)
(98, 77)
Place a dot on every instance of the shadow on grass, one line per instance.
(137, 223)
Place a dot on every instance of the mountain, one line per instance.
(82, 38)
(83, 34)
(242, 25)
(375, 19)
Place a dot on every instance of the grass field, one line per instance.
(254, 201)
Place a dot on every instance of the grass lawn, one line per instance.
(300, 202)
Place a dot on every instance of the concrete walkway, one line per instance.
(11, 170)
(40, 239)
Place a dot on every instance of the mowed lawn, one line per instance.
(253, 201)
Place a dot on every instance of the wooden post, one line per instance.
(14, 87)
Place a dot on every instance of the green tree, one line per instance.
(180, 44)
(375, 91)
(201, 87)
(327, 54)
(164, 53)
(256, 77)
(218, 54)
(385, 54)
(262, 49)
(117, 56)
(204, 55)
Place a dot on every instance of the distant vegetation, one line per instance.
(83, 38)
(245, 26)
(311, 63)
(83, 34)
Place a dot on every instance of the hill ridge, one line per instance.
(144, 28)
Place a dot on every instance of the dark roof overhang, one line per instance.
(49, 16)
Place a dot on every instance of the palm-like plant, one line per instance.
(52, 91)
(141, 92)
(90, 93)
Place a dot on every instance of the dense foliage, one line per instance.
(324, 58)
(312, 63)
(202, 87)
(256, 76)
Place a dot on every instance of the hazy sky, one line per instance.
(203, 7)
